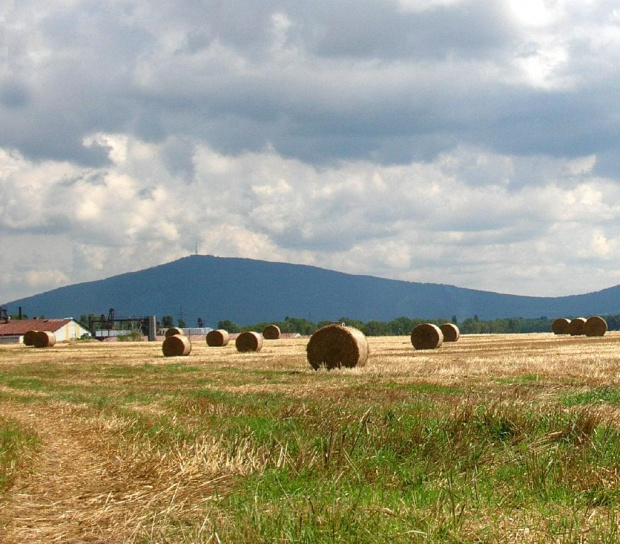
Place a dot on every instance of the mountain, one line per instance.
(249, 291)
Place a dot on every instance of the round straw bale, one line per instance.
(249, 341)
(44, 339)
(426, 336)
(335, 346)
(561, 326)
(271, 332)
(595, 326)
(29, 338)
(576, 326)
(218, 338)
(451, 332)
(176, 345)
(174, 330)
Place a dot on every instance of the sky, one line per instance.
(470, 143)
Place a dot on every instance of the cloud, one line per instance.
(421, 221)
(318, 81)
(451, 141)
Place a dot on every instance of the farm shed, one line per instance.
(12, 331)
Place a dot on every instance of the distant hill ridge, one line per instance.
(249, 291)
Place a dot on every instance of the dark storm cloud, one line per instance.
(392, 87)
(74, 69)
(377, 29)
(13, 95)
(372, 29)
(87, 80)
(319, 81)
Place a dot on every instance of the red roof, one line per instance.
(19, 327)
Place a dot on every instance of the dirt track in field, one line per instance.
(62, 497)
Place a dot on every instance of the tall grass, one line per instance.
(405, 472)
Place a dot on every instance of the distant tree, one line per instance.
(512, 325)
(228, 325)
(257, 327)
(181, 323)
(613, 322)
(471, 326)
(402, 326)
(300, 325)
(167, 321)
(350, 322)
(377, 328)
(323, 323)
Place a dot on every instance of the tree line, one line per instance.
(400, 326)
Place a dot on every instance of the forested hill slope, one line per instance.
(251, 291)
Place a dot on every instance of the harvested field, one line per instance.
(503, 438)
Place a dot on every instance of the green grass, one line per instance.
(402, 473)
(25, 384)
(429, 388)
(608, 395)
(15, 444)
(526, 379)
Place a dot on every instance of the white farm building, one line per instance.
(12, 331)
